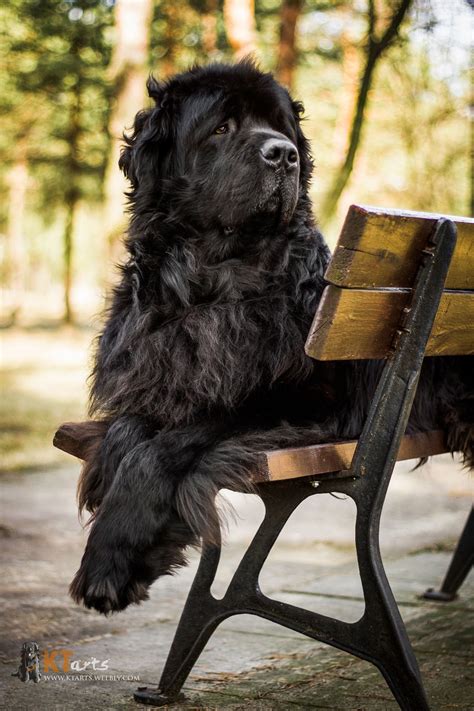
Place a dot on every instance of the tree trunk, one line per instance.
(341, 179)
(287, 49)
(239, 20)
(350, 67)
(127, 72)
(174, 21)
(209, 28)
(71, 205)
(375, 49)
(72, 191)
(16, 257)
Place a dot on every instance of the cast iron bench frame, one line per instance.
(360, 470)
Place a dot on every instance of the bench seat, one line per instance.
(322, 459)
(291, 463)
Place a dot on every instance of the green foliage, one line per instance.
(56, 96)
(56, 59)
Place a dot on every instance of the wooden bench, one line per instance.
(401, 284)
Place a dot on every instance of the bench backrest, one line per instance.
(369, 284)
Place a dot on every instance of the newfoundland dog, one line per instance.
(201, 363)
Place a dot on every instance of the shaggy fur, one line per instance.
(201, 363)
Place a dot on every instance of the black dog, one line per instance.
(201, 363)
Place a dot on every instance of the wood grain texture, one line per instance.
(382, 248)
(326, 458)
(75, 437)
(353, 324)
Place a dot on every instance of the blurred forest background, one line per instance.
(387, 96)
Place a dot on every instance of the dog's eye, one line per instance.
(220, 130)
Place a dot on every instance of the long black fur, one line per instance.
(201, 363)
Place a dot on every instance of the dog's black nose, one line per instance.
(279, 153)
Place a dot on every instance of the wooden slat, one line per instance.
(382, 248)
(325, 458)
(353, 324)
(75, 438)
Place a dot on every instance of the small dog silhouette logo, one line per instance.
(29, 669)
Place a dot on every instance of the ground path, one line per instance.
(249, 663)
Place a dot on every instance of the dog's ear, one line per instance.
(144, 146)
(304, 148)
(127, 162)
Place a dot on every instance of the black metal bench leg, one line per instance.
(461, 563)
(203, 613)
(198, 621)
(384, 637)
(405, 683)
(373, 464)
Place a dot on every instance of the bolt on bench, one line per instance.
(404, 281)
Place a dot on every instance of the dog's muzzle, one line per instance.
(279, 153)
(279, 191)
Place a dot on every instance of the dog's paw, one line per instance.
(106, 584)
(104, 598)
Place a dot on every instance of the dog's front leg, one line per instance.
(117, 566)
(104, 455)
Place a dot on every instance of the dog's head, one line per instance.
(222, 145)
(29, 652)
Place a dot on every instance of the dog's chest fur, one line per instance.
(241, 329)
